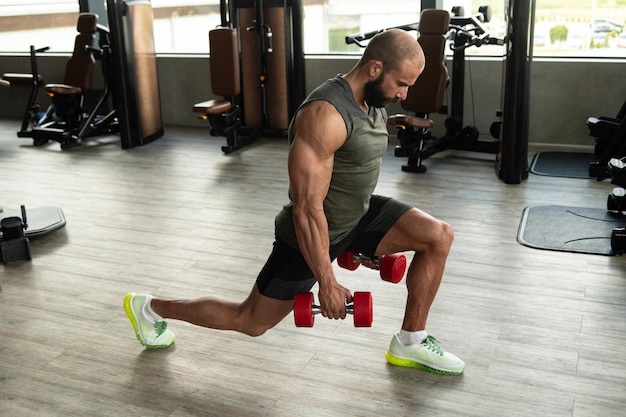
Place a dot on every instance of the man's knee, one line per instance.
(250, 322)
(442, 236)
(447, 234)
(255, 330)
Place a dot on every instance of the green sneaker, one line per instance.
(426, 355)
(151, 330)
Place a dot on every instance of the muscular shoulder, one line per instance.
(320, 124)
(317, 109)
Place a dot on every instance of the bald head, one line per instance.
(394, 48)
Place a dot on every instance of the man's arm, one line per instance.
(319, 131)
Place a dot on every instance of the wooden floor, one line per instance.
(543, 333)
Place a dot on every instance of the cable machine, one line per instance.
(438, 28)
(512, 128)
(512, 159)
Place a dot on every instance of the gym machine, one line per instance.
(135, 77)
(14, 246)
(436, 28)
(35, 81)
(511, 129)
(17, 227)
(610, 147)
(257, 66)
(67, 120)
(603, 128)
(513, 124)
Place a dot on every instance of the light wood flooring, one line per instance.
(543, 333)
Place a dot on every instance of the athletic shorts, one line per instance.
(286, 271)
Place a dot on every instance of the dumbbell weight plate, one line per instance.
(303, 309)
(392, 267)
(345, 260)
(611, 203)
(618, 239)
(616, 200)
(363, 309)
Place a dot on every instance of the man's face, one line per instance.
(375, 94)
(391, 86)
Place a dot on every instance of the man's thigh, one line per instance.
(383, 217)
(285, 273)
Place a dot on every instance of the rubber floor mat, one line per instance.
(569, 229)
(562, 164)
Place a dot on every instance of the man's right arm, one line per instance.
(318, 131)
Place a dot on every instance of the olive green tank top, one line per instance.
(356, 164)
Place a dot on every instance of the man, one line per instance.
(338, 138)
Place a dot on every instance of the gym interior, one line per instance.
(166, 179)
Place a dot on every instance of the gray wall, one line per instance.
(563, 93)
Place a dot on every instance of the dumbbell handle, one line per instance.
(359, 257)
(315, 309)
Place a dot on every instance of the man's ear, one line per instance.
(375, 68)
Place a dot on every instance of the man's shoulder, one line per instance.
(333, 87)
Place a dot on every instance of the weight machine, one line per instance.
(512, 128)
(436, 28)
(67, 120)
(610, 134)
(257, 66)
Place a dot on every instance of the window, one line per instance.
(564, 28)
(579, 28)
(182, 26)
(37, 22)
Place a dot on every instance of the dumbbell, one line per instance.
(392, 267)
(304, 310)
(618, 239)
(617, 168)
(616, 200)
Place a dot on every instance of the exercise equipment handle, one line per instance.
(24, 219)
(474, 35)
(357, 38)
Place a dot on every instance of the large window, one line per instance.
(580, 28)
(570, 28)
(37, 22)
(564, 28)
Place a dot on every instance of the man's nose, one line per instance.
(404, 91)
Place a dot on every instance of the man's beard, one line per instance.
(374, 95)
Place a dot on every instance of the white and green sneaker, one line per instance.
(151, 330)
(426, 355)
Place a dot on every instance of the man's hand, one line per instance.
(333, 300)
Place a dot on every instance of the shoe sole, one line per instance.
(128, 309)
(408, 363)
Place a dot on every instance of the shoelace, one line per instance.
(160, 326)
(431, 343)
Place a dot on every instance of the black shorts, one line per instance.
(286, 271)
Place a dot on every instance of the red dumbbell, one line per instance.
(304, 310)
(392, 267)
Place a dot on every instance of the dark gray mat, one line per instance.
(569, 229)
(562, 164)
